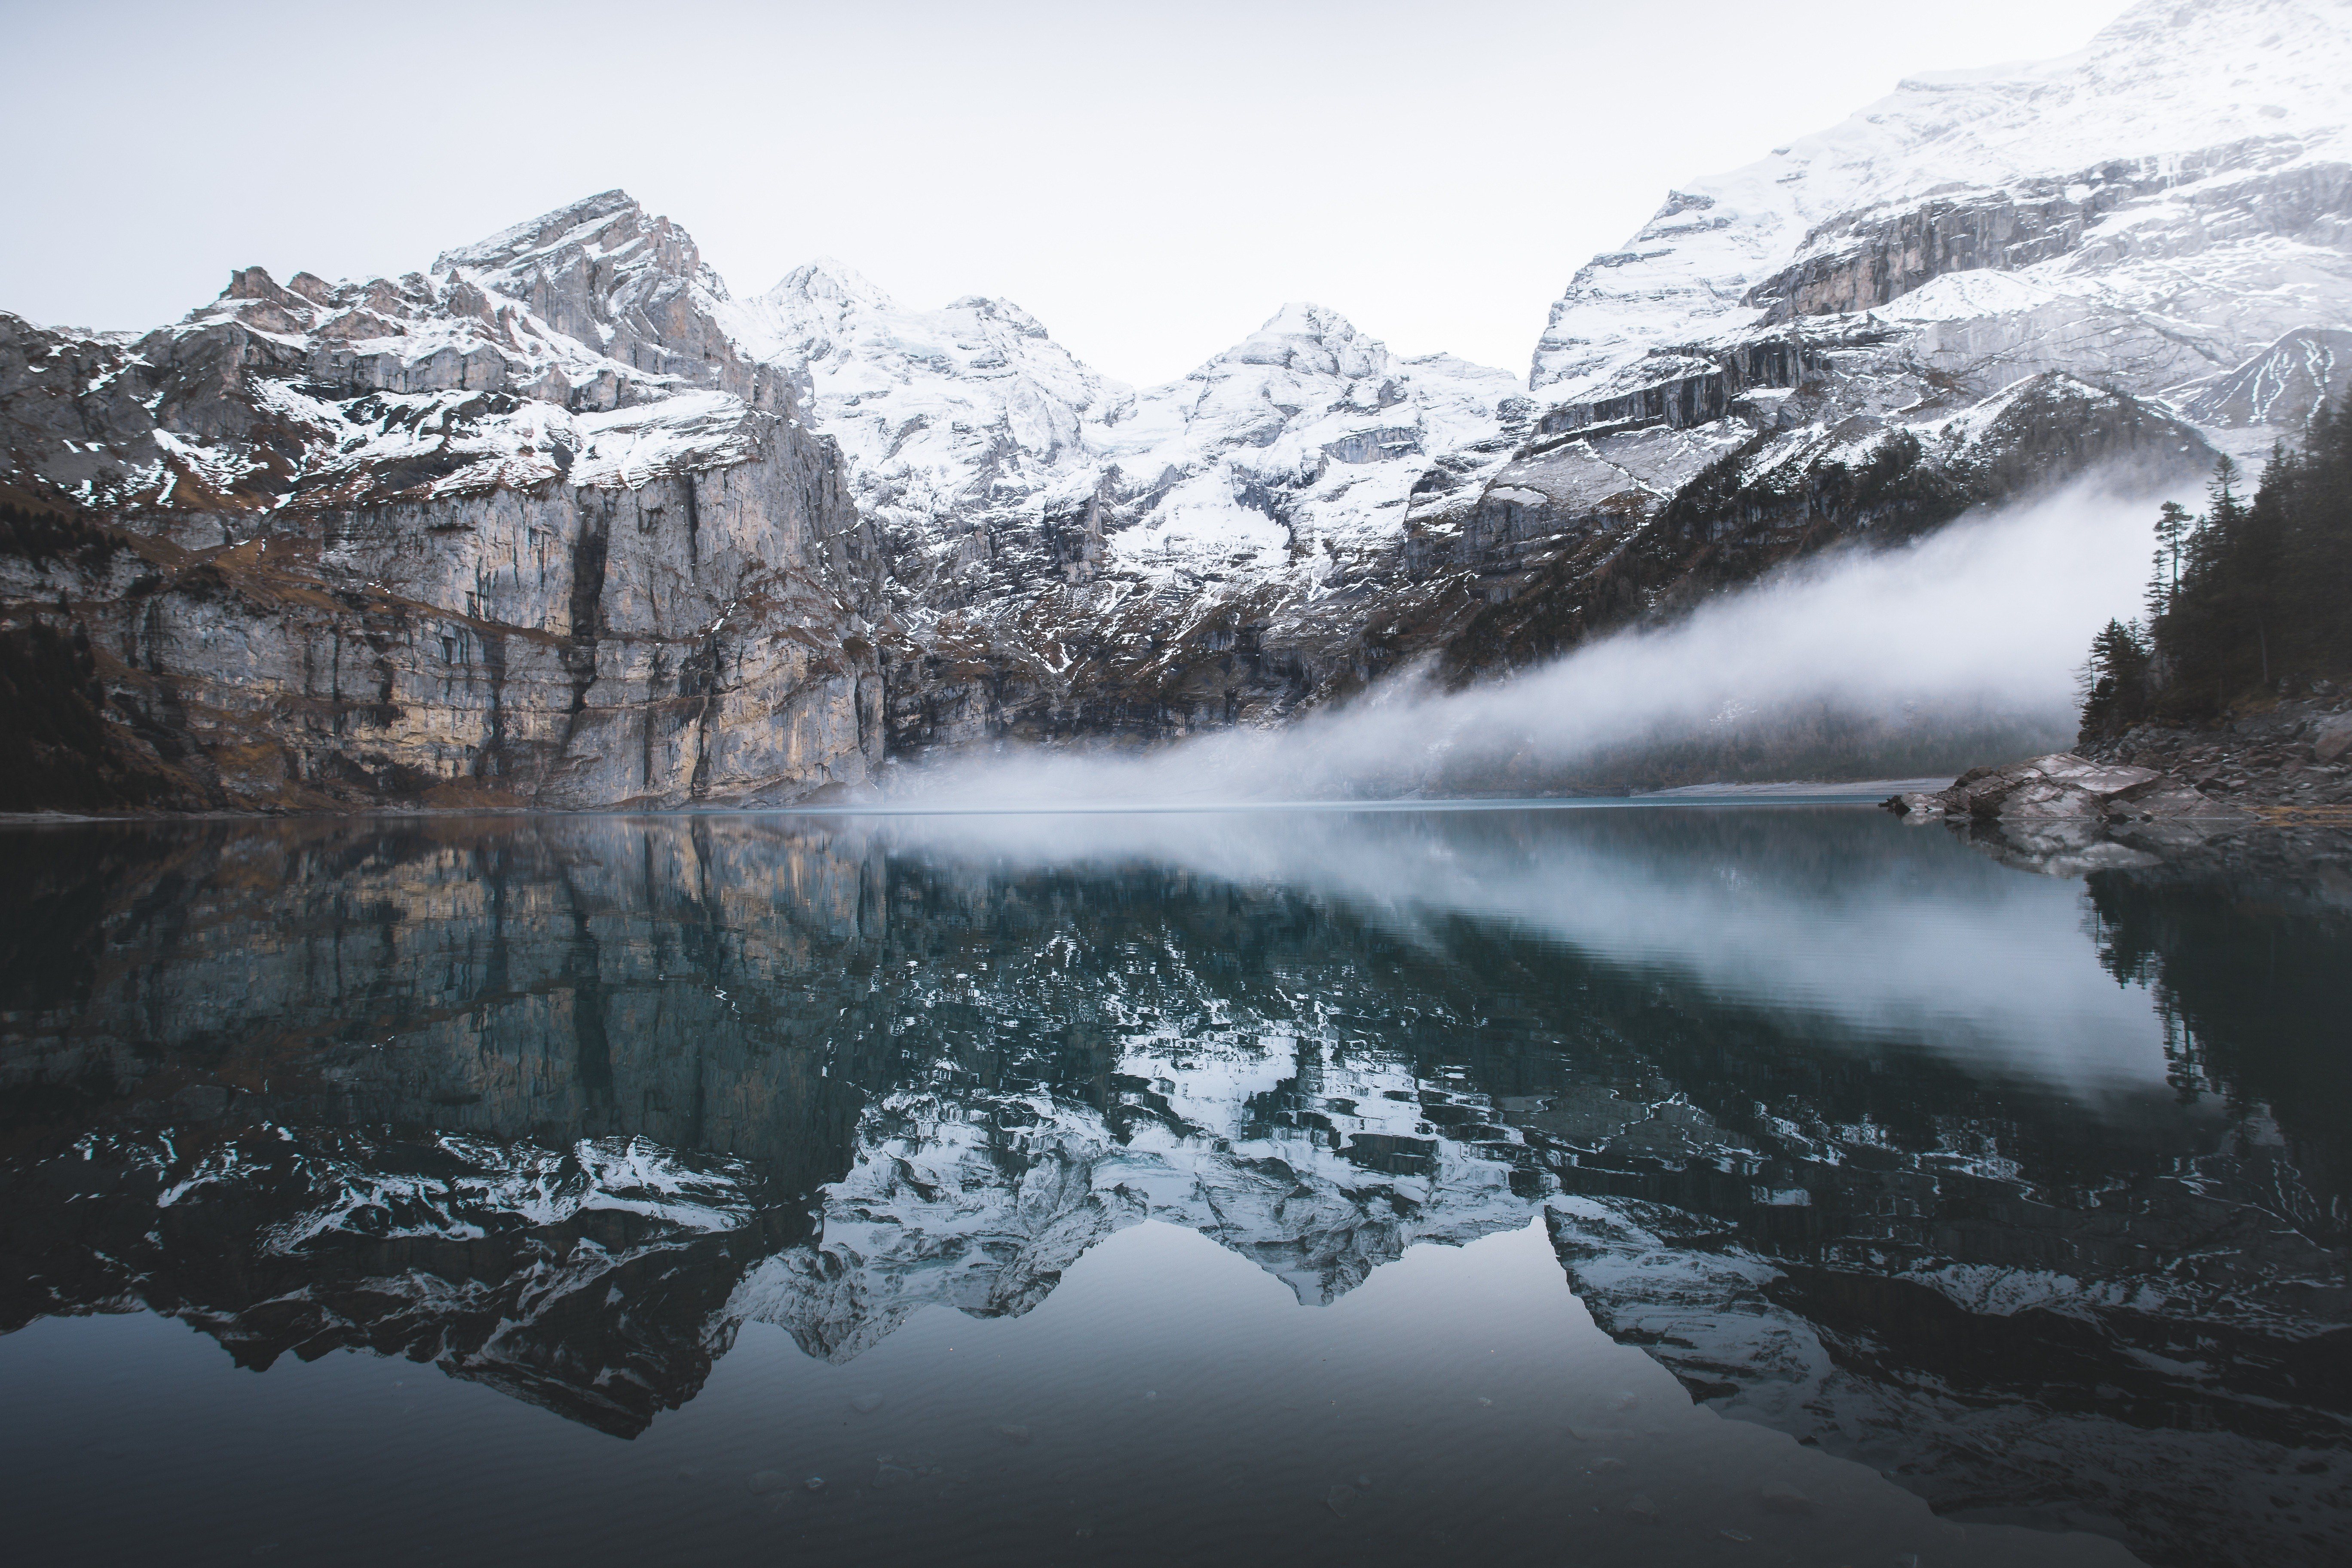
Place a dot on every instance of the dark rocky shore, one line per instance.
(2269, 788)
(2297, 757)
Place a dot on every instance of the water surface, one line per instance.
(1711, 1186)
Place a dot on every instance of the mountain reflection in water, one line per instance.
(2029, 1194)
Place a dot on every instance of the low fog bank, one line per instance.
(1958, 649)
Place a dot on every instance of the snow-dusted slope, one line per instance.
(1066, 551)
(2147, 212)
(954, 419)
(2168, 211)
(1984, 282)
(2119, 159)
(1300, 442)
(2154, 231)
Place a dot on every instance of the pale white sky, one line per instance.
(1152, 181)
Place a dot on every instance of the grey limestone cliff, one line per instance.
(529, 531)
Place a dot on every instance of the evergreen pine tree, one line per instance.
(2173, 524)
(2253, 594)
(2114, 683)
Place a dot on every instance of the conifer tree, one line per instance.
(2114, 683)
(2252, 597)
(2173, 523)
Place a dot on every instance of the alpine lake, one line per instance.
(1706, 1184)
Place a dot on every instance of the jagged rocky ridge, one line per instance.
(1970, 290)
(622, 1087)
(528, 530)
(558, 523)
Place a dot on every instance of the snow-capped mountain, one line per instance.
(1295, 450)
(1063, 544)
(1304, 439)
(563, 523)
(531, 529)
(2139, 254)
(2151, 210)
(960, 423)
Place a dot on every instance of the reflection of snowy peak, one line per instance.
(629, 1081)
(1317, 1173)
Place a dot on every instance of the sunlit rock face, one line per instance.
(559, 1106)
(528, 530)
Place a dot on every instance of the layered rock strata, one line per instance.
(529, 531)
(555, 524)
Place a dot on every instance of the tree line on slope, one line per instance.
(2249, 598)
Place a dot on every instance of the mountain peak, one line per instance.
(1004, 311)
(612, 213)
(1309, 338)
(828, 280)
(2172, 93)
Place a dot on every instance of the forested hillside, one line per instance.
(2252, 599)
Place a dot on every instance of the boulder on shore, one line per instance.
(2062, 787)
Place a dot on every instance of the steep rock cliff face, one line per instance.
(558, 523)
(419, 541)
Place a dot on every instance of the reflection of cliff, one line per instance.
(425, 1089)
(560, 1105)
(530, 1099)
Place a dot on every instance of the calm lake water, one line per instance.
(1650, 1186)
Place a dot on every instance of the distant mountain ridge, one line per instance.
(565, 522)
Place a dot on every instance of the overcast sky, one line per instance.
(1152, 181)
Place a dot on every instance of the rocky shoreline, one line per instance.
(2290, 761)
(2297, 758)
(2241, 790)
